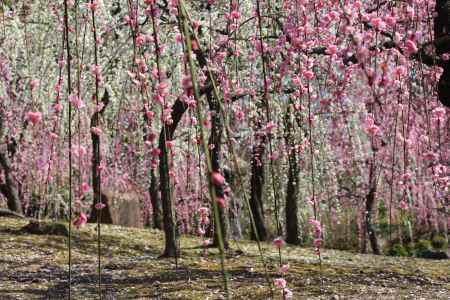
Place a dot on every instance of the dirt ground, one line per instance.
(36, 267)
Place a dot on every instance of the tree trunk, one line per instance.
(96, 180)
(156, 202)
(178, 109)
(96, 160)
(171, 247)
(257, 186)
(292, 234)
(370, 203)
(166, 134)
(234, 212)
(442, 43)
(215, 140)
(8, 188)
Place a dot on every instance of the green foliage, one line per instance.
(397, 249)
(345, 236)
(7, 3)
(439, 242)
(409, 247)
(382, 212)
(385, 229)
(422, 247)
(343, 243)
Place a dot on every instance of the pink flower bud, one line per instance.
(280, 283)
(308, 75)
(278, 242)
(80, 221)
(34, 117)
(100, 206)
(217, 179)
(97, 131)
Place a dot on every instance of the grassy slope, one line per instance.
(35, 267)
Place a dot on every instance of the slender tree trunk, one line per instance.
(8, 188)
(442, 43)
(257, 186)
(292, 234)
(156, 201)
(153, 191)
(166, 134)
(95, 164)
(215, 140)
(171, 247)
(234, 211)
(370, 204)
(96, 160)
(178, 109)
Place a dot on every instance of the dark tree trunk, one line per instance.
(442, 44)
(257, 186)
(171, 247)
(156, 201)
(178, 109)
(369, 213)
(292, 234)
(215, 140)
(105, 216)
(234, 211)
(8, 188)
(96, 159)
(95, 164)
(153, 191)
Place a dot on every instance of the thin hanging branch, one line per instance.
(212, 191)
(96, 152)
(69, 91)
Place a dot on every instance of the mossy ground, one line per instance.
(35, 267)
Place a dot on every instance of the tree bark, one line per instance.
(96, 160)
(166, 134)
(442, 44)
(8, 188)
(153, 191)
(156, 201)
(171, 247)
(370, 204)
(256, 194)
(292, 234)
(215, 140)
(234, 211)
